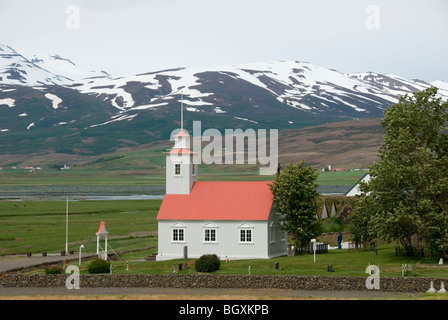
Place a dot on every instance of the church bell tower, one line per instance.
(181, 172)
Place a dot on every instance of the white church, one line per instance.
(234, 220)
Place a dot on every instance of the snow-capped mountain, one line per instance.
(59, 65)
(49, 102)
(15, 69)
(300, 85)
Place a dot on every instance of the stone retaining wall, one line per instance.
(321, 283)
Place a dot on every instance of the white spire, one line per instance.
(181, 111)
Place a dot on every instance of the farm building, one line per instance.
(355, 190)
(325, 212)
(232, 219)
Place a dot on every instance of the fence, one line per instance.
(320, 248)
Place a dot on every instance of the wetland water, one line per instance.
(105, 192)
(77, 192)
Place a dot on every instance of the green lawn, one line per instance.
(36, 226)
(343, 262)
(340, 178)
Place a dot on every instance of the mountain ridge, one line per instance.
(48, 103)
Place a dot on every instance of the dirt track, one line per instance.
(17, 262)
(191, 294)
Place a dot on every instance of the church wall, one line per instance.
(277, 238)
(227, 244)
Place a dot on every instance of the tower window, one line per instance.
(177, 169)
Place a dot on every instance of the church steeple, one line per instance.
(181, 172)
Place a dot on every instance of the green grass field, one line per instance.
(37, 226)
(340, 178)
(82, 176)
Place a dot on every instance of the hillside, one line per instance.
(49, 105)
(349, 144)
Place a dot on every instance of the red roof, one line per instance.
(102, 229)
(182, 133)
(216, 200)
(181, 151)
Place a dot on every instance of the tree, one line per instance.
(361, 227)
(296, 197)
(407, 193)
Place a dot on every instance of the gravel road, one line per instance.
(192, 294)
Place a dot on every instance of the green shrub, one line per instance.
(333, 224)
(99, 266)
(53, 270)
(207, 263)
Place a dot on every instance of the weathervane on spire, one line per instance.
(181, 111)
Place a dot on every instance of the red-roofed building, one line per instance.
(232, 219)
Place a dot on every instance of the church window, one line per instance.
(245, 235)
(177, 169)
(178, 235)
(209, 235)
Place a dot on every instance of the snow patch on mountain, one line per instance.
(245, 119)
(349, 104)
(112, 90)
(55, 100)
(440, 84)
(218, 110)
(443, 88)
(59, 65)
(150, 106)
(115, 119)
(7, 101)
(196, 103)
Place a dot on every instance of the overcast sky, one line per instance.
(124, 37)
